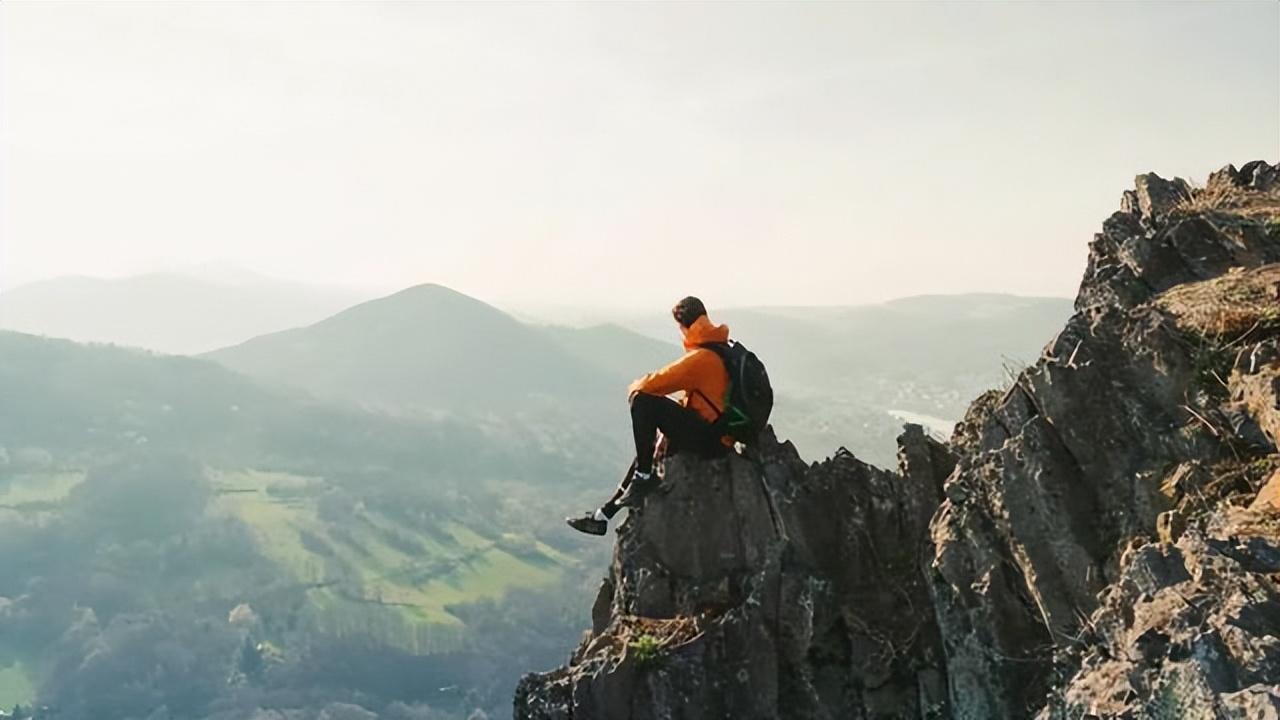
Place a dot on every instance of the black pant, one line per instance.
(684, 429)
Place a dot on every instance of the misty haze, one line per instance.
(332, 333)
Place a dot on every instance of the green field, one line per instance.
(38, 491)
(358, 573)
(358, 562)
(364, 581)
(15, 686)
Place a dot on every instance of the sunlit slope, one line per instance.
(357, 569)
(349, 553)
(15, 686)
(362, 524)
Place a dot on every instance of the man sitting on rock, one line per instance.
(700, 378)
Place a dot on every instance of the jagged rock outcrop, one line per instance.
(759, 587)
(1090, 543)
(1127, 419)
(1188, 630)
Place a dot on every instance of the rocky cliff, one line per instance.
(758, 586)
(1101, 538)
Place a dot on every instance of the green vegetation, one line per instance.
(363, 556)
(647, 650)
(37, 490)
(15, 686)
(144, 498)
(150, 551)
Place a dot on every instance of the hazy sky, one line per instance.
(614, 154)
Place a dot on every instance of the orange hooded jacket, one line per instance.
(699, 373)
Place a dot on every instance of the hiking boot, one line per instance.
(587, 523)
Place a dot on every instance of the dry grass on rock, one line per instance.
(1226, 198)
(1230, 306)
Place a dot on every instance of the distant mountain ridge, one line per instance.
(181, 312)
(428, 348)
(845, 375)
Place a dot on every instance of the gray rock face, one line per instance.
(1081, 547)
(1189, 630)
(1062, 473)
(757, 587)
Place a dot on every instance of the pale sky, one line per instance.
(614, 155)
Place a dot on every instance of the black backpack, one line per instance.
(750, 397)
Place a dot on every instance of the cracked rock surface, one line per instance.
(771, 589)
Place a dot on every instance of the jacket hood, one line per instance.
(703, 331)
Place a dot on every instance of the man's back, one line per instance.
(699, 373)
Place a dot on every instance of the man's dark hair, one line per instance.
(688, 310)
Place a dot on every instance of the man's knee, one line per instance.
(643, 403)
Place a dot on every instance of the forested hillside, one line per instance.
(213, 545)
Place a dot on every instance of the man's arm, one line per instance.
(674, 377)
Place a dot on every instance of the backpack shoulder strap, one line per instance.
(721, 350)
(719, 410)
